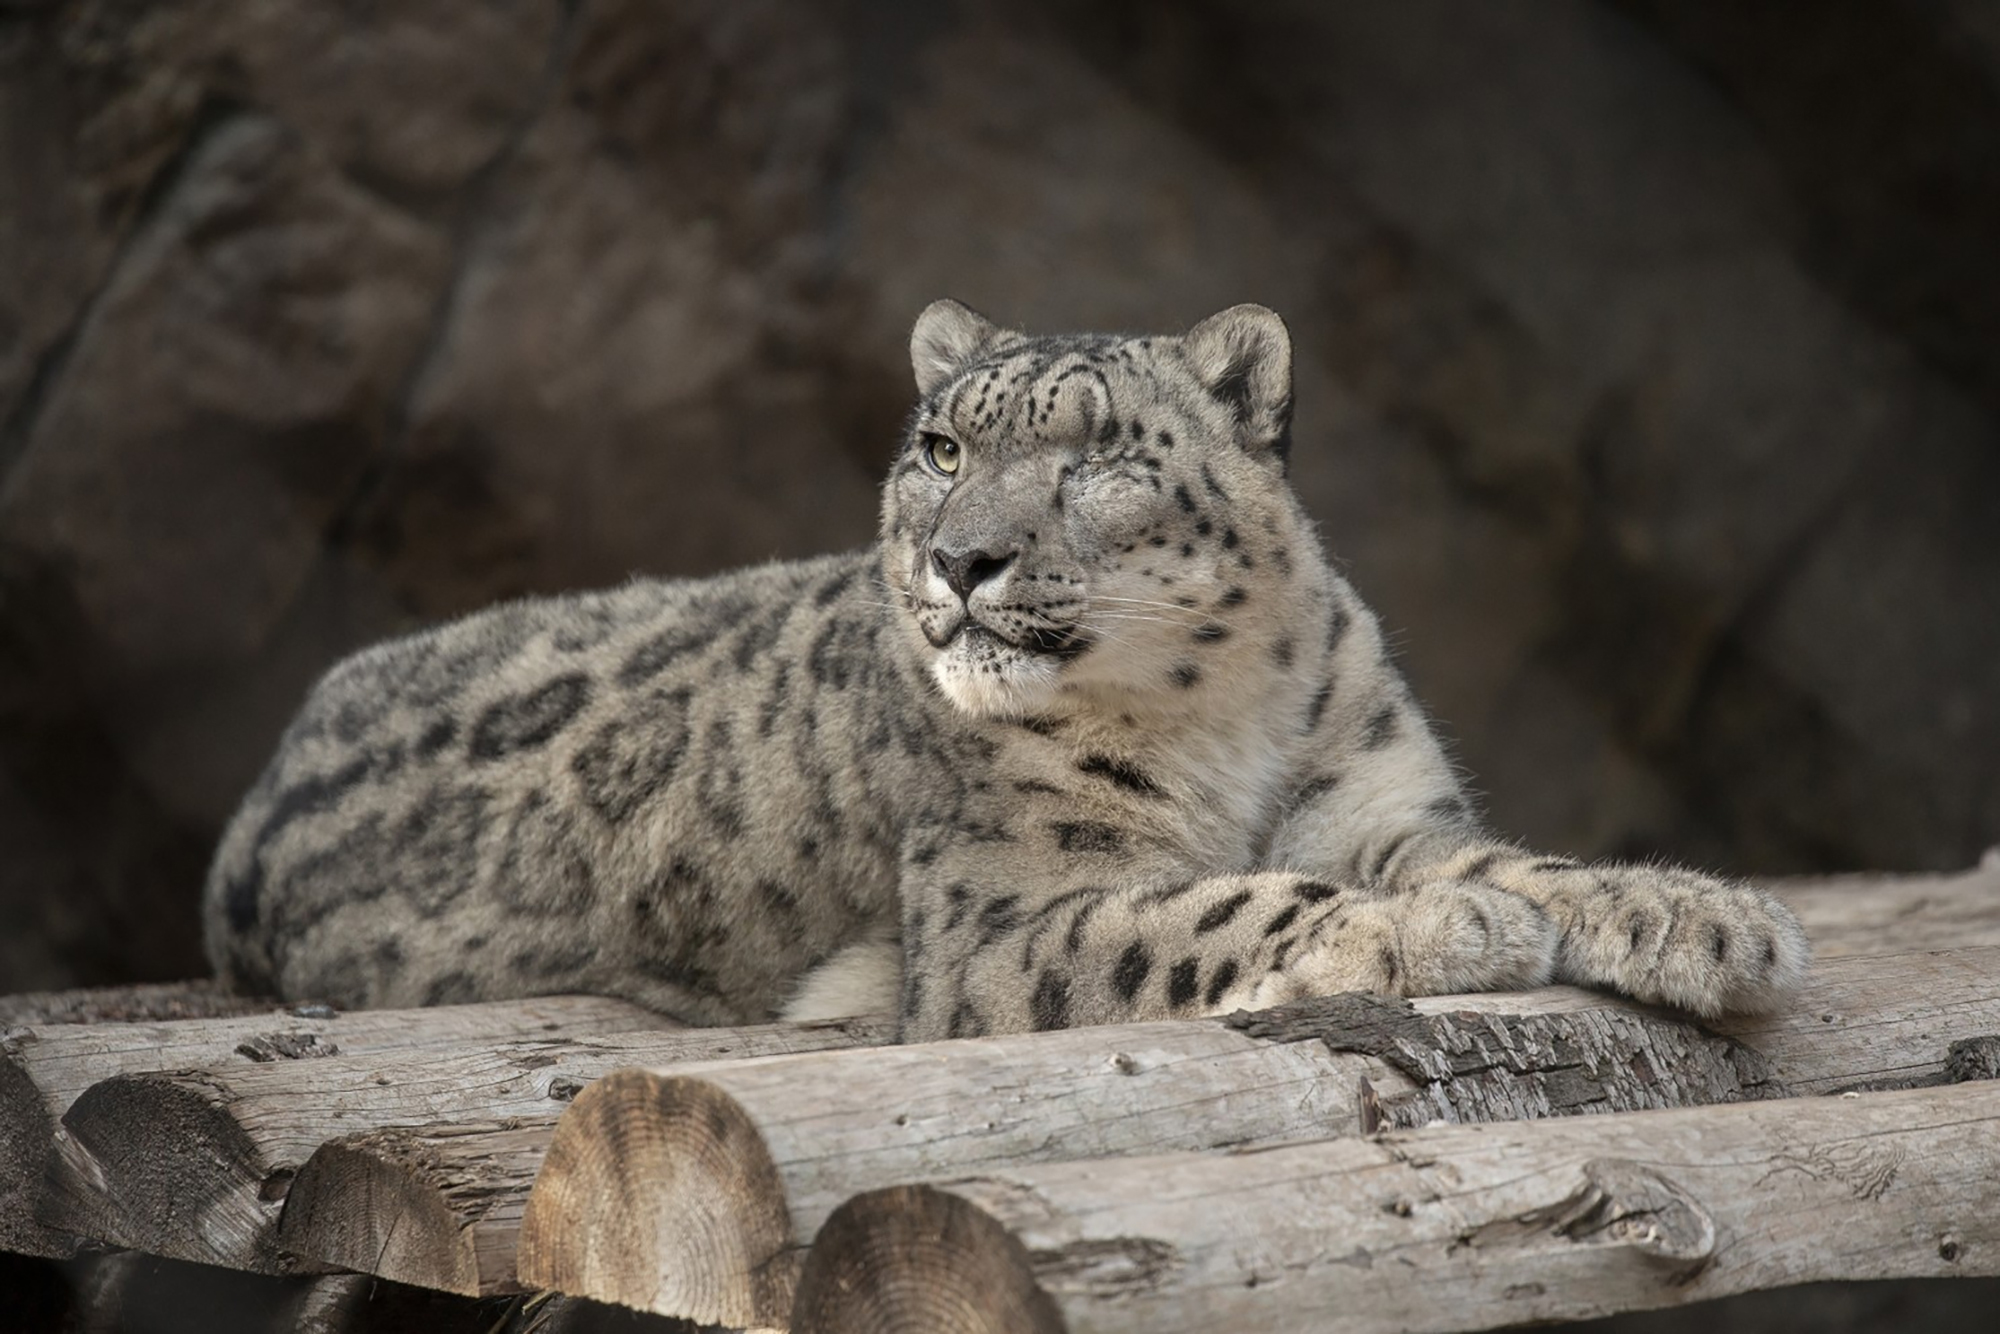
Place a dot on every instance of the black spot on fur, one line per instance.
(240, 897)
(1234, 596)
(1037, 785)
(1219, 914)
(1391, 968)
(1183, 499)
(1088, 836)
(1548, 864)
(836, 658)
(525, 722)
(1130, 974)
(1050, 1006)
(1230, 539)
(452, 989)
(436, 737)
(1480, 866)
(676, 641)
(1219, 980)
(1130, 778)
(998, 917)
(1381, 728)
(965, 1022)
(545, 870)
(1770, 954)
(1186, 676)
(627, 762)
(1183, 983)
(546, 962)
(1282, 920)
(311, 795)
(1214, 487)
(1636, 930)
(1336, 627)
(1312, 790)
(833, 588)
(1284, 652)
(1387, 855)
(1718, 944)
(1164, 894)
(760, 635)
(1211, 633)
(1314, 891)
(1317, 709)
(718, 785)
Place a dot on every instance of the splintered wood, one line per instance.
(1351, 1162)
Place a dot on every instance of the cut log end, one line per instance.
(915, 1258)
(27, 1134)
(152, 1163)
(659, 1193)
(370, 1204)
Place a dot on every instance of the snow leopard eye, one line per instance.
(942, 453)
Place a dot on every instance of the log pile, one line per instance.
(1350, 1162)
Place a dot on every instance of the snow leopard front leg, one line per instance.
(1097, 925)
(1381, 810)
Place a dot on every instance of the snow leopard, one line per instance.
(1094, 732)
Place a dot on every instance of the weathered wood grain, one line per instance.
(1875, 913)
(195, 1165)
(689, 1191)
(44, 1067)
(1444, 1228)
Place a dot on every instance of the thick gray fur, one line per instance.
(1093, 733)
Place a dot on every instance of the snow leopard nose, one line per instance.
(967, 570)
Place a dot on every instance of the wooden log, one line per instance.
(121, 1291)
(195, 1165)
(690, 1191)
(44, 1067)
(150, 1001)
(437, 1206)
(1896, 914)
(1444, 1228)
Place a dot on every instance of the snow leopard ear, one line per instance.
(1243, 356)
(947, 335)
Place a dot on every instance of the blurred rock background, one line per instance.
(1648, 361)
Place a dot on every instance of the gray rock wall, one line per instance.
(1648, 357)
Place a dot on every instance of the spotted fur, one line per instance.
(1093, 733)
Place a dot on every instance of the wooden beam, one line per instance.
(1445, 1228)
(147, 1002)
(195, 1165)
(690, 1191)
(44, 1067)
(1873, 913)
